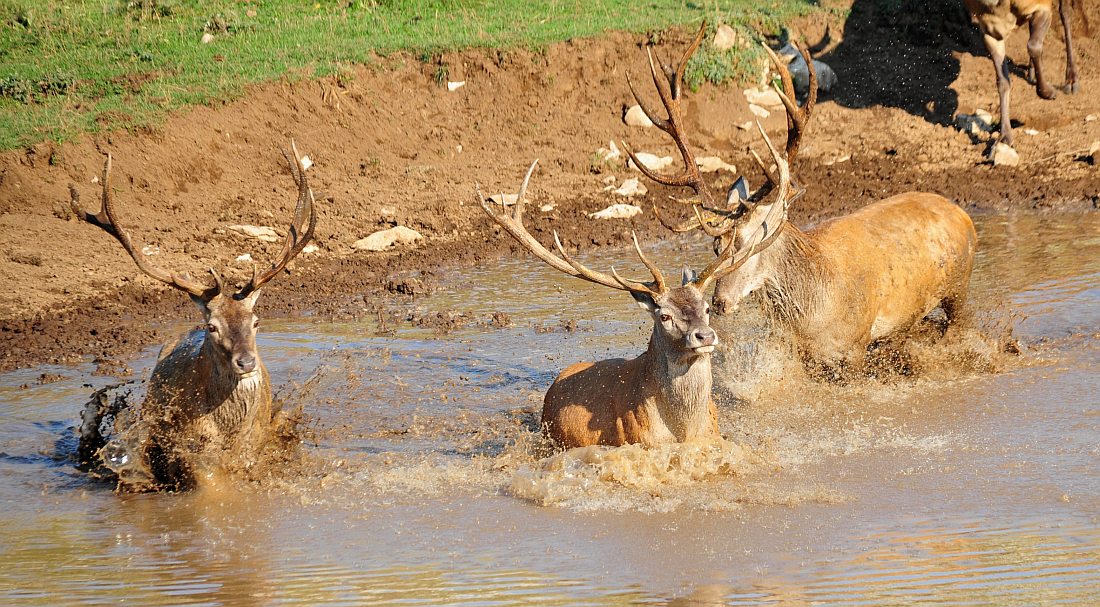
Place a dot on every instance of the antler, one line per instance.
(764, 236)
(797, 119)
(296, 238)
(513, 224)
(719, 222)
(669, 91)
(107, 220)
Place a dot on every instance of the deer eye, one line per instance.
(665, 318)
(256, 323)
(211, 328)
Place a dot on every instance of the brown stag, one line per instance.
(844, 283)
(662, 396)
(209, 395)
(998, 18)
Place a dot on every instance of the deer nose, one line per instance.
(245, 363)
(705, 337)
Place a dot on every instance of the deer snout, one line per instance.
(722, 305)
(244, 363)
(703, 340)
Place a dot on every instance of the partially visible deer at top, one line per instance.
(664, 395)
(844, 283)
(998, 18)
(209, 395)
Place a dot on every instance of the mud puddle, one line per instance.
(973, 481)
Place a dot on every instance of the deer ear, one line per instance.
(645, 301)
(688, 276)
(738, 193)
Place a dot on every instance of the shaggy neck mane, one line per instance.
(795, 272)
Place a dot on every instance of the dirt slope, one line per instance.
(393, 146)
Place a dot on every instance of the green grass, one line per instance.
(72, 67)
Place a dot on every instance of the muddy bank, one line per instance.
(394, 147)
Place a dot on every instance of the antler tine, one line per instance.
(106, 220)
(797, 118)
(658, 279)
(686, 226)
(296, 237)
(513, 224)
(764, 236)
(669, 89)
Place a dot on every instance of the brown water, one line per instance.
(974, 481)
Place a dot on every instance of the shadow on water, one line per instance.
(899, 53)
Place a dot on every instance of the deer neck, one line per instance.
(793, 270)
(230, 397)
(680, 386)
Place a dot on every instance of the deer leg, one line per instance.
(997, 53)
(1071, 85)
(1039, 24)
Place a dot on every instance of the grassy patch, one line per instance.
(70, 67)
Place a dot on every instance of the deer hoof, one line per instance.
(1047, 92)
(1071, 87)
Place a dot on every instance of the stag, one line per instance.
(209, 396)
(844, 283)
(662, 396)
(998, 18)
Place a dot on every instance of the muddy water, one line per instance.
(973, 480)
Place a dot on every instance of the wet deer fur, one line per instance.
(844, 283)
(663, 395)
(209, 395)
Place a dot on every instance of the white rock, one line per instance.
(306, 162)
(380, 241)
(611, 152)
(744, 126)
(631, 187)
(725, 38)
(1094, 153)
(1003, 155)
(759, 111)
(652, 162)
(150, 249)
(984, 116)
(1090, 117)
(310, 248)
(546, 208)
(838, 160)
(207, 38)
(262, 233)
(634, 116)
(504, 199)
(610, 179)
(764, 97)
(713, 164)
(244, 258)
(617, 211)
(1031, 132)
(454, 86)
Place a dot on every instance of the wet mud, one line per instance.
(393, 147)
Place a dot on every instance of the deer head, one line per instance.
(740, 219)
(230, 323)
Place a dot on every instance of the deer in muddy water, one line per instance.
(209, 395)
(998, 18)
(662, 396)
(842, 284)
